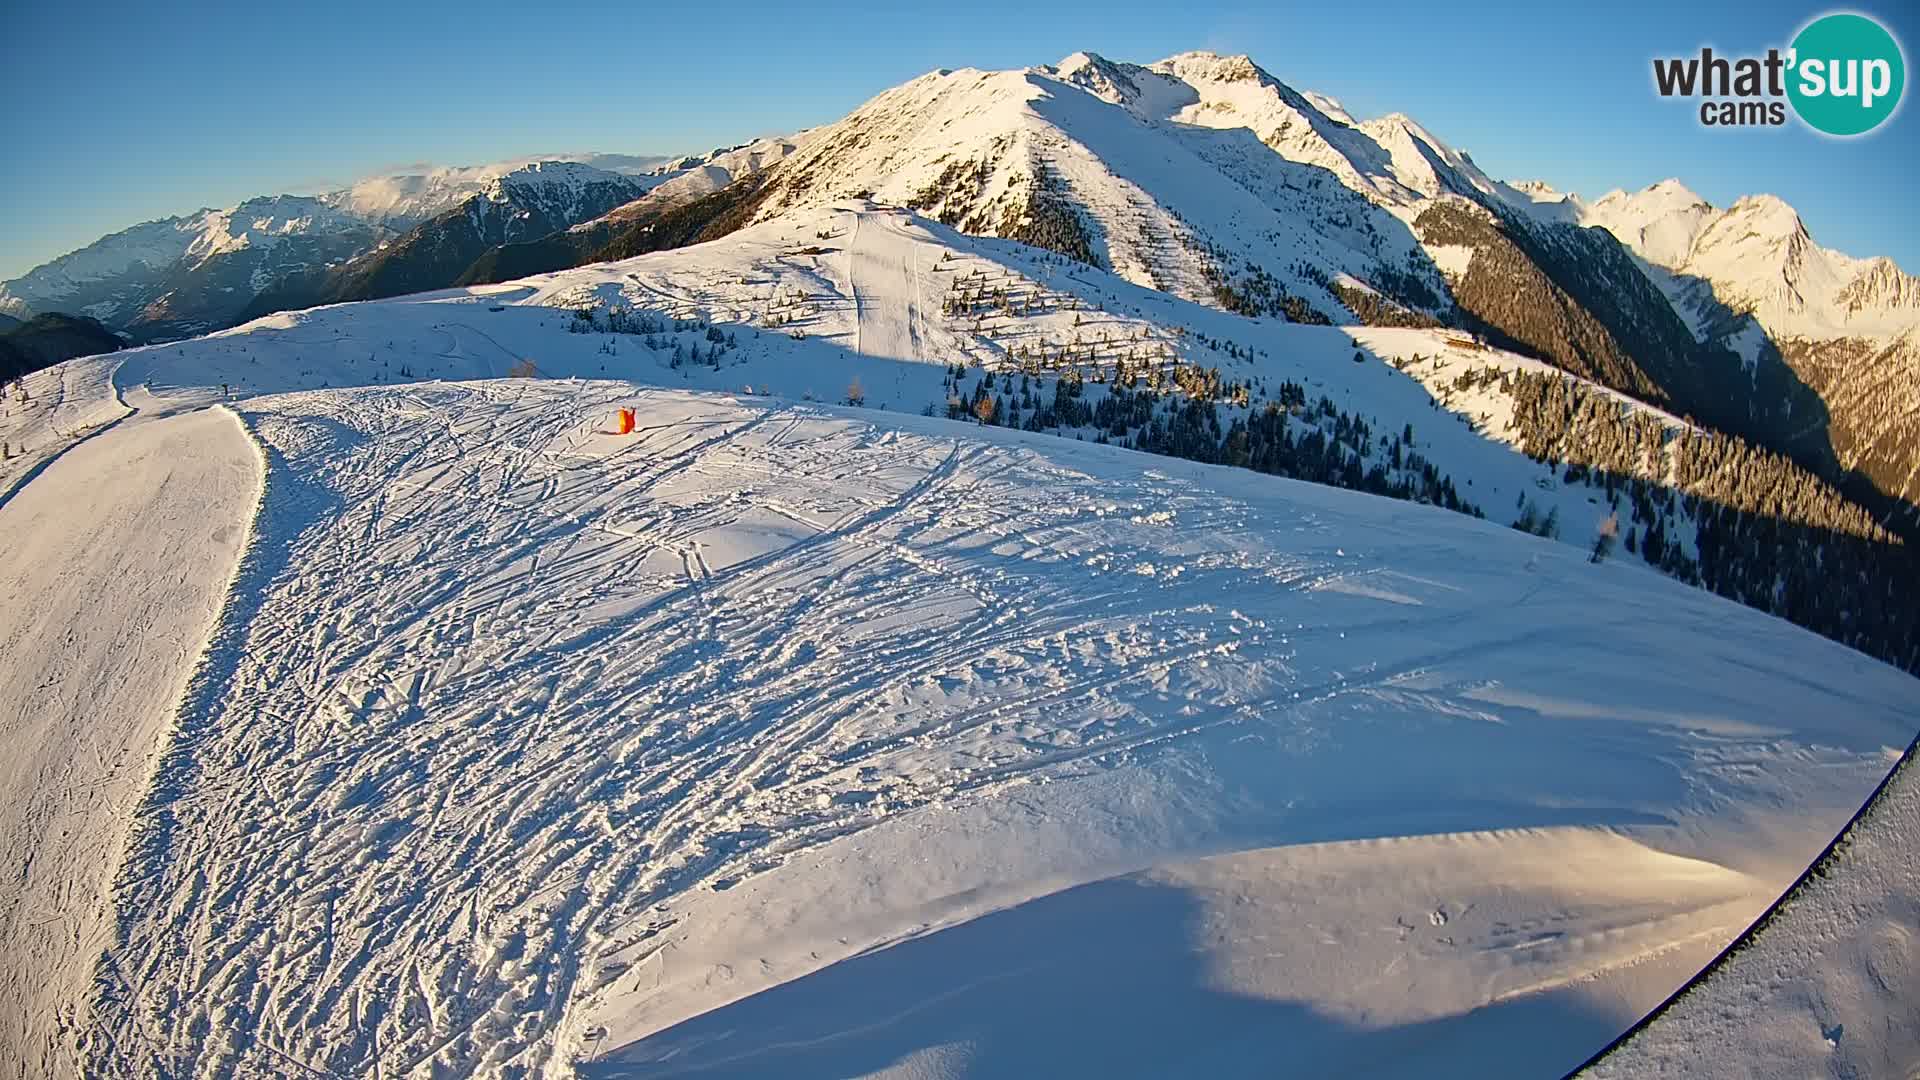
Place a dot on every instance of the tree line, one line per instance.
(1767, 532)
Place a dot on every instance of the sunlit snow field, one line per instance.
(781, 738)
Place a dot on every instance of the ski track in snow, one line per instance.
(500, 685)
(886, 310)
(95, 665)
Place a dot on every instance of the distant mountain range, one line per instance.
(1202, 176)
(531, 201)
(570, 210)
(208, 270)
(689, 206)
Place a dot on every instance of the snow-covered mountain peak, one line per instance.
(263, 222)
(1116, 83)
(1537, 189)
(1769, 215)
(400, 199)
(191, 273)
(139, 269)
(1423, 163)
(1210, 67)
(1777, 271)
(694, 177)
(1206, 90)
(1768, 235)
(1655, 201)
(1659, 222)
(1331, 107)
(414, 196)
(1673, 189)
(1235, 84)
(1882, 285)
(550, 176)
(746, 156)
(147, 247)
(1119, 165)
(1663, 193)
(1759, 258)
(900, 143)
(1097, 73)
(1402, 123)
(1543, 201)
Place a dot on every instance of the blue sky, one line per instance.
(120, 113)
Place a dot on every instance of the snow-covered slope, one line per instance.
(50, 409)
(1196, 171)
(1205, 177)
(853, 291)
(781, 737)
(692, 177)
(929, 320)
(916, 313)
(879, 679)
(1111, 162)
(1830, 985)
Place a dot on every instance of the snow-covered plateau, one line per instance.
(390, 714)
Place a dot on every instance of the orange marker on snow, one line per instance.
(623, 424)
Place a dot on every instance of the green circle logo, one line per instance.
(1848, 73)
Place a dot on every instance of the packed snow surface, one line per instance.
(780, 738)
(1830, 986)
(118, 558)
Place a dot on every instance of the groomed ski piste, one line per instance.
(442, 731)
